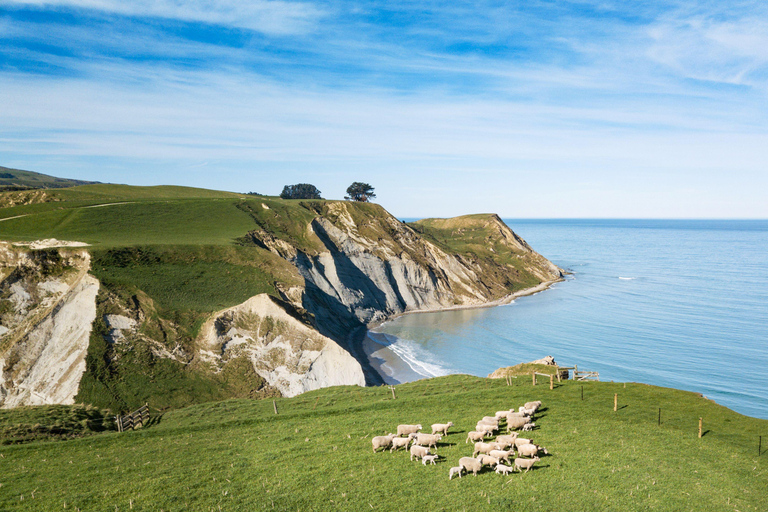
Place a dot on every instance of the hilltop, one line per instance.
(188, 295)
(16, 179)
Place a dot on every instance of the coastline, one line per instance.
(394, 369)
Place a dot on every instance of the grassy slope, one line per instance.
(316, 455)
(18, 178)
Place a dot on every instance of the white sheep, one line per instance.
(487, 428)
(482, 447)
(427, 439)
(531, 450)
(525, 463)
(475, 436)
(502, 454)
(526, 411)
(401, 442)
(419, 451)
(503, 414)
(516, 422)
(470, 464)
(504, 470)
(520, 441)
(533, 405)
(429, 459)
(508, 439)
(382, 441)
(528, 427)
(493, 420)
(487, 460)
(454, 471)
(404, 430)
(442, 428)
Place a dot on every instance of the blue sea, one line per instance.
(675, 303)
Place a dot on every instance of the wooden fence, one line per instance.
(131, 420)
(584, 375)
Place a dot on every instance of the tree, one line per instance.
(300, 191)
(359, 192)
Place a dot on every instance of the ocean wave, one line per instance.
(627, 278)
(418, 359)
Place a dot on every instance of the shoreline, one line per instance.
(392, 368)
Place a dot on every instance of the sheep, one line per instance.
(503, 414)
(529, 426)
(401, 442)
(454, 471)
(404, 430)
(484, 448)
(382, 441)
(492, 420)
(533, 405)
(442, 427)
(470, 464)
(520, 441)
(525, 463)
(504, 470)
(509, 439)
(487, 428)
(515, 423)
(419, 451)
(475, 436)
(501, 454)
(487, 460)
(526, 411)
(429, 459)
(531, 450)
(427, 439)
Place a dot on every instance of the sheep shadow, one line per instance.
(705, 432)
(622, 407)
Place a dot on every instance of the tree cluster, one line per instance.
(300, 191)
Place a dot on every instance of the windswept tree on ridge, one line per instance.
(358, 191)
(300, 191)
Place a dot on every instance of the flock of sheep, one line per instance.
(495, 454)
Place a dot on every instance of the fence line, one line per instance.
(130, 420)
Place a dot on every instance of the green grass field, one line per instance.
(238, 455)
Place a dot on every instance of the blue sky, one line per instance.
(527, 109)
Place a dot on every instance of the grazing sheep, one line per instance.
(429, 459)
(520, 441)
(487, 428)
(501, 454)
(531, 450)
(401, 442)
(508, 439)
(454, 471)
(470, 464)
(529, 426)
(525, 463)
(482, 447)
(526, 411)
(404, 430)
(503, 414)
(533, 405)
(382, 441)
(442, 428)
(419, 452)
(475, 436)
(515, 423)
(487, 460)
(492, 420)
(504, 470)
(427, 439)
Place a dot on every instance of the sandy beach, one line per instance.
(395, 370)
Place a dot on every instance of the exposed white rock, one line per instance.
(49, 243)
(46, 365)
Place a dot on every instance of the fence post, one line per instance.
(760, 446)
(533, 374)
(575, 371)
(659, 423)
(274, 405)
(551, 382)
(582, 391)
(615, 402)
(701, 422)
(392, 388)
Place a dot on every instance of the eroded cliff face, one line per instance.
(47, 307)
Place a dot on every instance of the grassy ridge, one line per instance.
(316, 455)
(18, 179)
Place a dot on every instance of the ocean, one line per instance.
(674, 303)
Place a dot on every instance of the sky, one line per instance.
(530, 109)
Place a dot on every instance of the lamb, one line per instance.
(382, 441)
(470, 464)
(419, 452)
(526, 411)
(487, 460)
(401, 442)
(404, 430)
(529, 426)
(475, 436)
(531, 450)
(442, 427)
(504, 470)
(501, 454)
(525, 463)
(429, 459)
(454, 470)
(516, 422)
(484, 448)
(427, 439)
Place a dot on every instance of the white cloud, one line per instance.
(279, 17)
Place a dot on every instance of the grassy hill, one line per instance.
(15, 179)
(238, 455)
